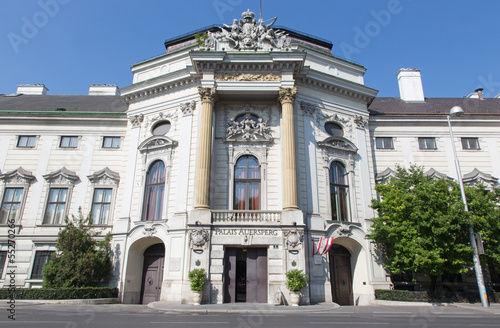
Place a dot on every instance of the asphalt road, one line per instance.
(124, 316)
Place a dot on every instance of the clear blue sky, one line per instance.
(71, 44)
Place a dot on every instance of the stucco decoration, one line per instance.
(62, 176)
(477, 176)
(338, 143)
(199, 239)
(308, 108)
(436, 175)
(345, 122)
(136, 120)
(149, 230)
(293, 239)
(188, 108)
(344, 230)
(360, 121)
(248, 130)
(105, 177)
(248, 34)
(247, 77)
(18, 176)
(171, 117)
(385, 175)
(156, 143)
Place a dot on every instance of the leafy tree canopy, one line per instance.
(81, 259)
(422, 225)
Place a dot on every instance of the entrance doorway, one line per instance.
(152, 273)
(340, 275)
(245, 275)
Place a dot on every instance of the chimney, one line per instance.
(480, 93)
(410, 85)
(477, 94)
(103, 90)
(35, 89)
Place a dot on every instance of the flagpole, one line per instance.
(260, 12)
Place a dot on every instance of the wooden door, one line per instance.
(257, 275)
(230, 275)
(152, 273)
(340, 275)
(254, 279)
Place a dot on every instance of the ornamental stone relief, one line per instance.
(360, 121)
(188, 108)
(247, 77)
(18, 176)
(345, 122)
(248, 130)
(248, 34)
(293, 239)
(199, 239)
(136, 120)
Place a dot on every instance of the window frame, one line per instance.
(113, 138)
(345, 188)
(109, 204)
(247, 182)
(426, 140)
(339, 128)
(4, 254)
(36, 264)
(468, 140)
(48, 202)
(147, 192)
(17, 219)
(71, 139)
(29, 137)
(384, 142)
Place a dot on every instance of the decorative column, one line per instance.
(208, 98)
(287, 97)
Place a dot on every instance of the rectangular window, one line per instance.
(11, 205)
(427, 143)
(111, 142)
(470, 144)
(68, 142)
(26, 141)
(3, 258)
(101, 205)
(56, 205)
(41, 258)
(384, 143)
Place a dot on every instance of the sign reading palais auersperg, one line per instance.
(245, 232)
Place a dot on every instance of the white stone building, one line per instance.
(249, 155)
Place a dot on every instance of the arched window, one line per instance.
(155, 186)
(338, 192)
(247, 184)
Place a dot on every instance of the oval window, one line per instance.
(334, 130)
(161, 128)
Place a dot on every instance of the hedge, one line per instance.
(60, 293)
(426, 296)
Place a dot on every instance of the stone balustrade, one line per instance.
(238, 216)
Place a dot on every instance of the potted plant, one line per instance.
(197, 279)
(295, 281)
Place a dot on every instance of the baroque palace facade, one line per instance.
(246, 151)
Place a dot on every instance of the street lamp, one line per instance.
(458, 111)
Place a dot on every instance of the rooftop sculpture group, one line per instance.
(249, 34)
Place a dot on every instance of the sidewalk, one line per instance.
(241, 308)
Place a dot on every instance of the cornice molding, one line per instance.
(62, 176)
(159, 90)
(335, 89)
(18, 175)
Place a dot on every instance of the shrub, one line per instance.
(197, 279)
(59, 293)
(296, 280)
(428, 296)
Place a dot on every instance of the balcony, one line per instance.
(227, 217)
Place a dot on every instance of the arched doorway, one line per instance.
(340, 275)
(152, 273)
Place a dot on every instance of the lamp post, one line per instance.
(458, 111)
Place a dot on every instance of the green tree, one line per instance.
(422, 226)
(81, 260)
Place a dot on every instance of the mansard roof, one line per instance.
(393, 106)
(62, 104)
